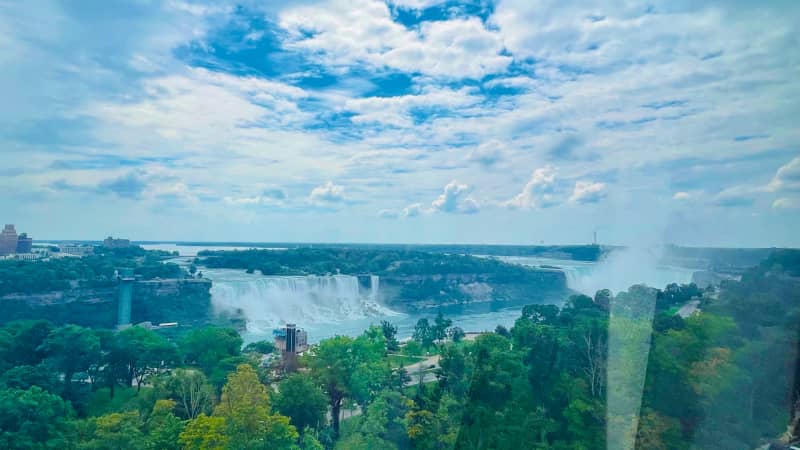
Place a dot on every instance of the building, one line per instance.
(76, 249)
(24, 243)
(8, 240)
(110, 242)
(291, 340)
(27, 256)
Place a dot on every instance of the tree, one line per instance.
(163, 427)
(262, 347)
(205, 347)
(72, 349)
(190, 390)
(332, 364)
(24, 377)
(205, 433)
(424, 333)
(32, 419)
(456, 334)
(302, 401)
(278, 434)
(245, 407)
(502, 331)
(118, 430)
(26, 339)
(390, 334)
(142, 353)
(440, 326)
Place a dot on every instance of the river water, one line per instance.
(326, 306)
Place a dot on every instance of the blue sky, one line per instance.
(402, 121)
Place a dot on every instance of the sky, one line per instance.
(419, 121)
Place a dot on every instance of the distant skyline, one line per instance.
(402, 121)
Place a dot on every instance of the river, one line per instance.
(326, 306)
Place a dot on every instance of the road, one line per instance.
(688, 309)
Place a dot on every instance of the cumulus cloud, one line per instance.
(681, 195)
(455, 199)
(347, 33)
(327, 194)
(538, 192)
(588, 192)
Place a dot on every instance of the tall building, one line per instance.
(24, 243)
(291, 340)
(110, 242)
(8, 240)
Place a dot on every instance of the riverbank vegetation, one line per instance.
(351, 261)
(609, 370)
(92, 271)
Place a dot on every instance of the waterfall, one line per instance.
(271, 301)
(374, 284)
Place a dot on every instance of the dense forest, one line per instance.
(609, 371)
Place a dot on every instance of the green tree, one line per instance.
(278, 434)
(262, 347)
(244, 405)
(440, 326)
(33, 419)
(456, 334)
(390, 334)
(163, 427)
(24, 377)
(190, 390)
(302, 401)
(26, 339)
(142, 353)
(331, 365)
(205, 433)
(118, 430)
(246, 408)
(424, 334)
(72, 349)
(206, 347)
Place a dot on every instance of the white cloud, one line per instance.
(455, 199)
(347, 33)
(736, 196)
(396, 111)
(327, 194)
(487, 154)
(413, 210)
(588, 192)
(682, 196)
(538, 192)
(787, 178)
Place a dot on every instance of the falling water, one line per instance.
(271, 301)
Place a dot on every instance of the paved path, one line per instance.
(688, 309)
